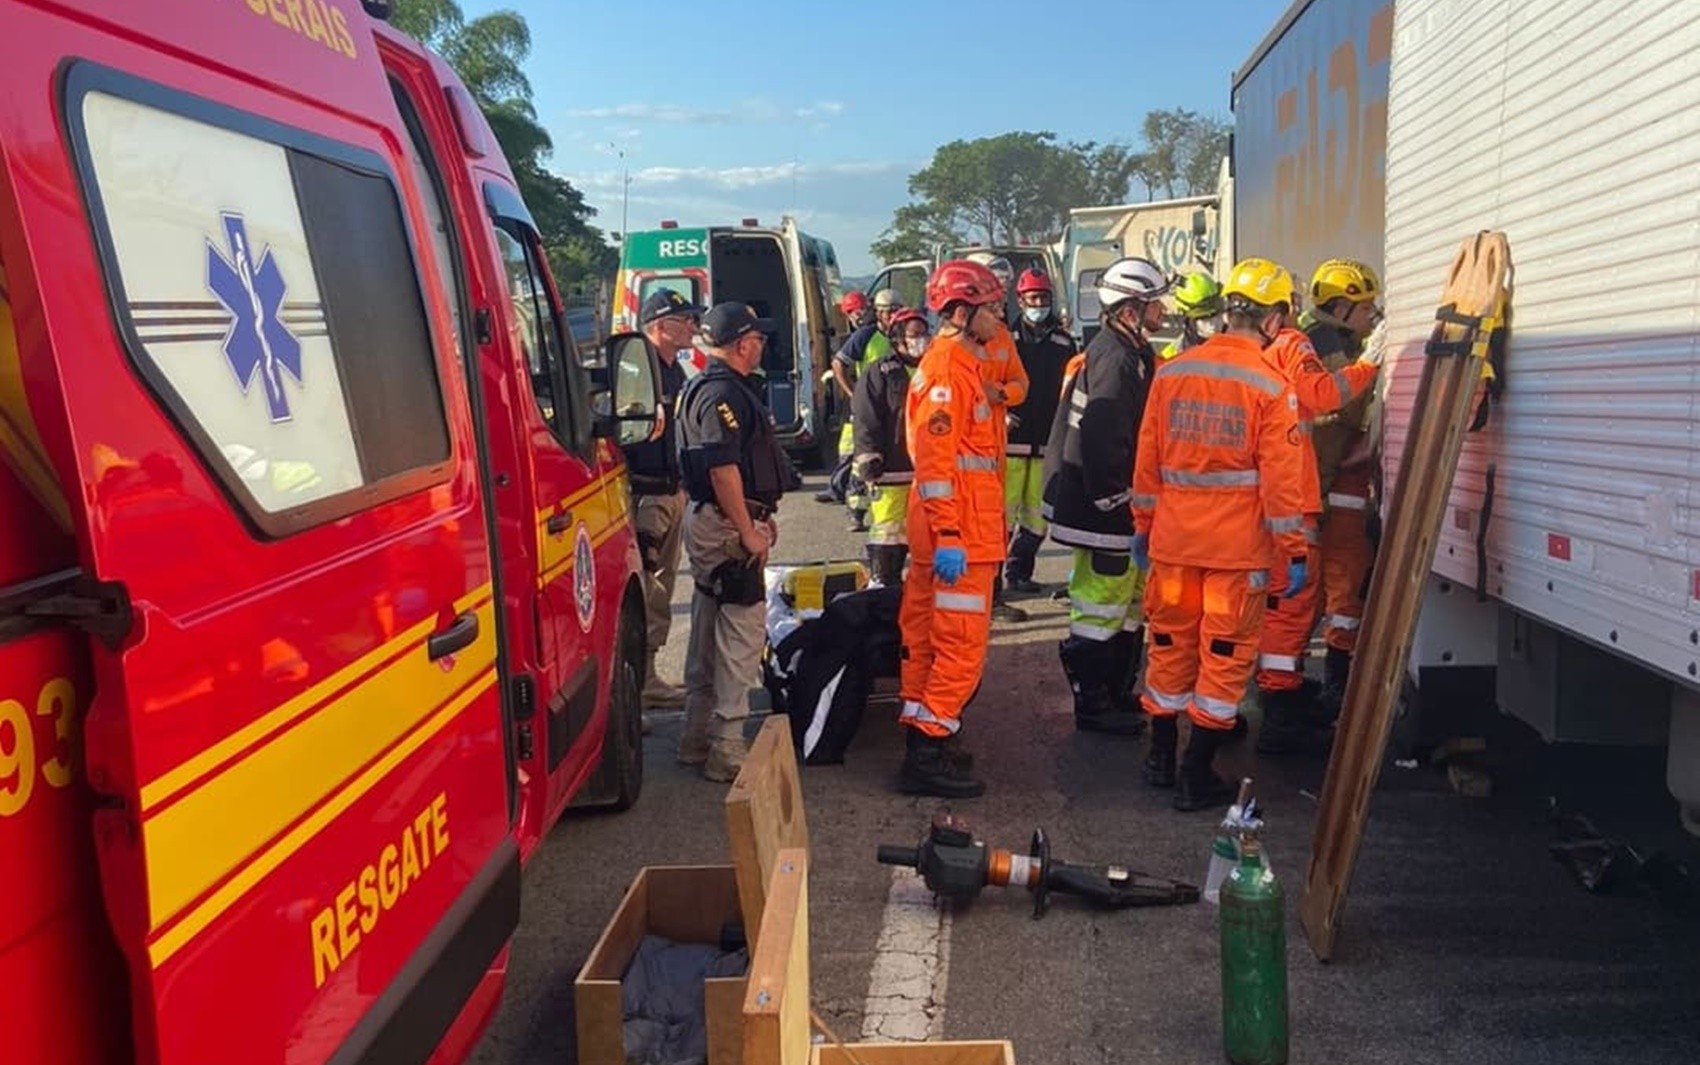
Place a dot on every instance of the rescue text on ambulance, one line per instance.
(337, 930)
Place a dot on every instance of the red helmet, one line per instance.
(853, 303)
(903, 317)
(961, 281)
(1033, 280)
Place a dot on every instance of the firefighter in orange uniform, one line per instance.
(956, 439)
(1291, 715)
(1343, 315)
(1218, 502)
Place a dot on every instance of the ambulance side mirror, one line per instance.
(626, 389)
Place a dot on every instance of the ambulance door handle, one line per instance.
(560, 523)
(458, 635)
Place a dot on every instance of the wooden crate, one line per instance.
(764, 815)
(686, 904)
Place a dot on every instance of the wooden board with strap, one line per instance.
(1470, 320)
(764, 816)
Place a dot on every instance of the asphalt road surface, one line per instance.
(1464, 941)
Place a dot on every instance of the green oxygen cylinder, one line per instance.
(1254, 959)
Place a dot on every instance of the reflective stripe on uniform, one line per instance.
(901, 477)
(982, 463)
(1281, 663)
(1019, 449)
(1347, 502)
(1142, 502)
(1257, 580)
(1344, 384)
(1175, 703)
(935, 489)
(961, 602)
(914, 711)
(1211, 479)
(1112, 612)
(1220, 709)
(1087, 631)
(1194, 367)
(1341, 621)
(1292, 523)
(1069, 536)
(1109, 503)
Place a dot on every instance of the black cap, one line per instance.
(727, 322)
(663, 302)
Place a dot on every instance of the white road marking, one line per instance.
(906, 987)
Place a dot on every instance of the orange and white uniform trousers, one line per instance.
(1346, 557)
(956, 440)
(1288, 624)
(1219, 489)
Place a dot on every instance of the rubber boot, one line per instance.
(1160, 760)
(1287, 727)
(1127, 659)
(929, 770)
(885, 563)
(1023, 555)
(858, 519)
(1090, 668)
(1335, 670)
(1197, 787)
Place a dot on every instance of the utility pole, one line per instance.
(625, 187)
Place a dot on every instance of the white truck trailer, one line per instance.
(1566, 584)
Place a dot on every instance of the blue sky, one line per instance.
(823, 110)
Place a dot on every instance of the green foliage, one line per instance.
(489, 54)
(1019, 187)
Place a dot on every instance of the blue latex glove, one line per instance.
(1141, 548)
(1297, 574)
(949, 563)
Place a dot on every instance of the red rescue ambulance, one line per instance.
(317, 584)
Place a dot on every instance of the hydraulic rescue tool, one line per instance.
(955, 865)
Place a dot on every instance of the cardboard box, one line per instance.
(686, 904)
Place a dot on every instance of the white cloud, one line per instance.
(681, 114)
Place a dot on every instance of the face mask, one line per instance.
(1035, 315)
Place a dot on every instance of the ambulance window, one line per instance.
(447, 273)
(539, 337)
(684, 286)
(267, 288)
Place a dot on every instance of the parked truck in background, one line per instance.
(1566, 582)
(1179, 235)
(785, 274)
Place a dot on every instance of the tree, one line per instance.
(489, 54)
(1183, 151)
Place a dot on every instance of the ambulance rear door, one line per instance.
(295, 734)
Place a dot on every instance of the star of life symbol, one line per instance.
(252, 291)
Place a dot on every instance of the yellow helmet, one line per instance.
(1345, 279)
(1260, 282)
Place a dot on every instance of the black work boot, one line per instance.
(1288, 726)
(929, 770)
(1023, 555)
(1160, 761)
(858, 520)
(1002, 611)
(1125, 660)
(1097, 710)
(1090, 669)
(1335, 670)
(1197, 787)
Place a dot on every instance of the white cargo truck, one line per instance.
(1566, 583)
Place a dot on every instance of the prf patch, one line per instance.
(939, 423)
(726, 416)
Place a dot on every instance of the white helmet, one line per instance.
(1131, 279)
(887, 300)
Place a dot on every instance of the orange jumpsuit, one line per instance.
(1289, 622)
(1219, 487)
(956, 439)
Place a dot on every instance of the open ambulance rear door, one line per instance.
(295, 731)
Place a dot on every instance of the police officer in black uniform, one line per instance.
(734, 472)
(658, 498)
